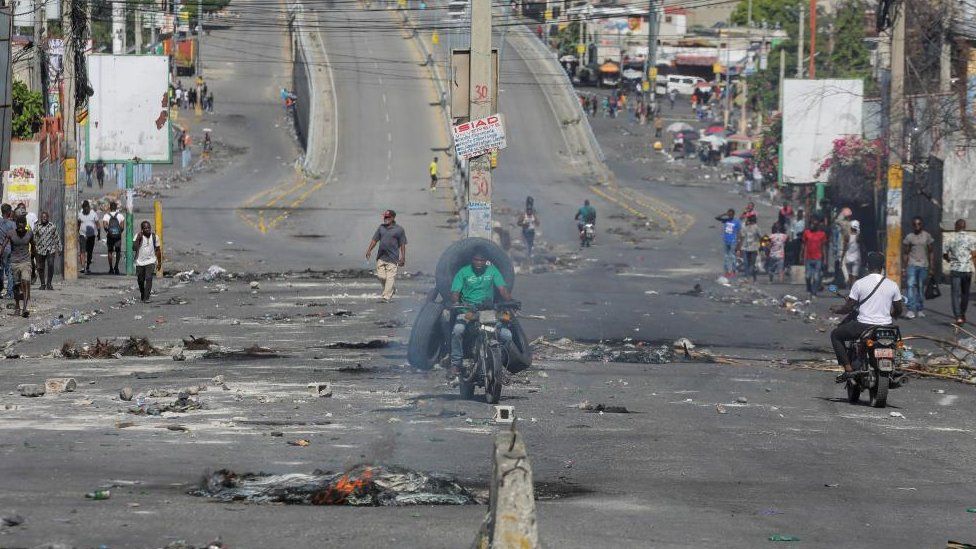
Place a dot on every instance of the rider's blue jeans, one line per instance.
(457, 339)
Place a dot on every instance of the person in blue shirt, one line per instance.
(586, 214)
(731, 227)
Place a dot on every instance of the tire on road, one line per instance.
(519, 351)
(459, 254)
(426, 346)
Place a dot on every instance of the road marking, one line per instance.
(389, 137)
(387, 115)
(384, 97)
(389, 154)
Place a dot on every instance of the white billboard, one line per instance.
(815, 113)
(129, 111)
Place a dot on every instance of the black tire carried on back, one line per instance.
(426, 346)
(459, 254)
(519, 352)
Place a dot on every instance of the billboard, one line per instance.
(129, 111)
(815, 113)
(21, 182)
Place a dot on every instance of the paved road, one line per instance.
(676, 473)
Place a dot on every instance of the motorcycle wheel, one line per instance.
(493, 375)
(853, 392)
(879, 392)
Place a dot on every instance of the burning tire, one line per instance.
(426, 346)
(459, 254)
(519, 351)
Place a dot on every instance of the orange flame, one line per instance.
(355, 482)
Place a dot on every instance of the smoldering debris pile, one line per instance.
(183, 403)
(623, 351)
(198, 343)
(363, 485)
(254, 351)
(133, 346)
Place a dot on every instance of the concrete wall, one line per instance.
(959, 184)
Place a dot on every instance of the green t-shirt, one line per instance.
(477, 289)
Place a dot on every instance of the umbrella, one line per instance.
(609, 67)
(690, 135)
(568, 59)
(631, 74)
(679, 127)
(744, 153)
(733, 160)
(715, 129)
(717, 140)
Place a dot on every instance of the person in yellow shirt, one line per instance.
(433, 174)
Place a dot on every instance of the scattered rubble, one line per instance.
(371, 344)
(198, 343)
(182, 404)
(125, 394)
(11, 519)
(254, 351)
(60, 385)
(320, 389)
(30, 390)
(363, 485)
(602, 408)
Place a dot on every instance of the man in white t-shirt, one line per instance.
(877, 300)
(149, 259)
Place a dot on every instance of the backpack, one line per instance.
(114, 227)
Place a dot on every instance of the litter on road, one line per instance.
(363, 485)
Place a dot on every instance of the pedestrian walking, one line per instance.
(210, 102)
(851, 254)
(672, 97)
(149, 259)
(392, 253)
(750, 213)
(7, 224)
(917, 257)
(658, 125)
(113, 222)
(432, 168)
(731, 227)
(777, 252)
(88, 230)
(22, 263)
(89, 173)
(757, 177)
(207, 145)
(47, 244)
(529, 222)
(813, 250)
(748, 247)
(960, 252)
(100, 173)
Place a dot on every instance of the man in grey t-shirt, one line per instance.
(392, 253)
(916, 259)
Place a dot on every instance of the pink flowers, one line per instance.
(853, 150)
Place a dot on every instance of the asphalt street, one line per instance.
(788, 456)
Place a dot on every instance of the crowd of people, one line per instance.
(111, 221)
(187, 98)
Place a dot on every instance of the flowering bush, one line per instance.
(854, 151)
(767, 155)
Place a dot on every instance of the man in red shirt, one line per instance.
(813, 250)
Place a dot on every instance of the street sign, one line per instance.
(580, 49)
(461, 89)
(645, 85)
(435, 38)
(479, 136)
(548, 15)
(652, 73)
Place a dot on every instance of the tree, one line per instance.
(28, 111)
(776, 13)
(850, 57)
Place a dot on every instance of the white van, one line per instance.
(684, 85)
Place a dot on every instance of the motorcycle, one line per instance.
(873, 357)
(484, 349)
(587, 233)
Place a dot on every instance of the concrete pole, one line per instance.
(138, 29)
(750, 14)
(479, 167)
(130, 265)
(651, 60)
(118, 28)
(37, 83)
(71, 163)
(782, 76)
(812, 71)
(799, 49)
(744, 114)
(511, 522)
(896, 143)
(945, 58)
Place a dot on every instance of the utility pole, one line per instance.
(744, 114)
(782, 76)
(118, 28)
(71, 143)
(812, 71)
(799, 49)
(750, 14)
(138, 30)
(896, 144)
(37, 80)
(650, 62)
(480, 94)
(945, 58)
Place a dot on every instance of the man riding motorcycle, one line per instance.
(876, 300)
(474, 285)
(586, 214)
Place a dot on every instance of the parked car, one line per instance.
(684, 85)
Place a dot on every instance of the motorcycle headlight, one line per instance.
(869, 343)
(505, 316)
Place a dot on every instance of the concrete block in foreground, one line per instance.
(511, 521)
(30, 390)
(60, 385)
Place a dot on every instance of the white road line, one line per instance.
(387, 115)
(389, 137)
(384, 98)
(389, 154)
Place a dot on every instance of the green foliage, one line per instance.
(568, 38)
(850, 57)
(28, 111)
(775, 13)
